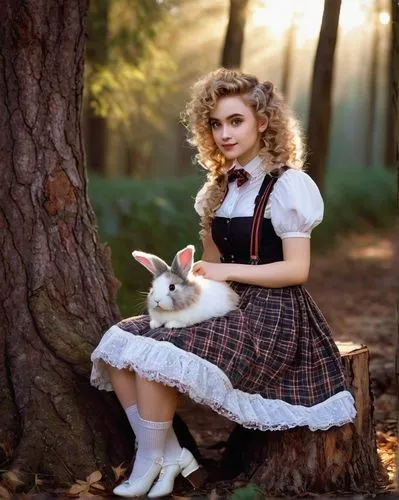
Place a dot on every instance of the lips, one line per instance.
(228, 146)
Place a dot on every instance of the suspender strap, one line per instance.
(260, 206)
(261, 203)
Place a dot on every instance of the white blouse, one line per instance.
(295, 205)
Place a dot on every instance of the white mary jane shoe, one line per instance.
(140, 486)
(186, 465)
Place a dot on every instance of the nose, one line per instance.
(226, 135)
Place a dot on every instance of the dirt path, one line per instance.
(355, 287)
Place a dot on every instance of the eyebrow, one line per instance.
(228, 118)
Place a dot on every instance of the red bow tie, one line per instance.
(240, 175)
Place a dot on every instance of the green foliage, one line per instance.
(127, 93)
(135, 25)
(158, 217)
(356, 199)
(153, 216)
(127, 70)
(249, 492)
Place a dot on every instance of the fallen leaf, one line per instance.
(97, 486)
(94, 477)
(75, 489)
(119, 471)
(4, 493)
(12, 480)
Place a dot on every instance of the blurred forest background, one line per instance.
(143, 56)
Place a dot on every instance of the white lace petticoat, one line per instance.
(205, 383)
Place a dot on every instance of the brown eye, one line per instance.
(236, 121)
(171, 287)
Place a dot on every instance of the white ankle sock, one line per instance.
(151, 437)
(172, 450)
(133, 417)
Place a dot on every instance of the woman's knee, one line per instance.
(119, 372)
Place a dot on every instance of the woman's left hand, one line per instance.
(210, 270)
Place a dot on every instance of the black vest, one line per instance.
(249, 240)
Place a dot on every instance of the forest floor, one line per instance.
(355, 286)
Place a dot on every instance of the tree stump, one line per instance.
(295, 461)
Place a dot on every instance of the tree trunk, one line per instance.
(298, 461)
(96, 141)
(320, 103)
(185, 152)
(375, 44)
(287, 59)
(392, 125)
(395, 123)
(57, 289)
(96, 130)
(234, 41)
(395, 80)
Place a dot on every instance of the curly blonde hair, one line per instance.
(282, 138)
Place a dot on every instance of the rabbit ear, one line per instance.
(183, 261)
(154, 264)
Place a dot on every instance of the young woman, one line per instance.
(271, 364)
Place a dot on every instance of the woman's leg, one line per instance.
(156, 402)
(157, 405)
(123, 383)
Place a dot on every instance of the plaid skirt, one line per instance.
(271, 364)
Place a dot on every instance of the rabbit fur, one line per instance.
(177, 297)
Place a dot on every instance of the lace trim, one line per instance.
(205, 383)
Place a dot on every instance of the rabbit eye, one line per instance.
(171, 287)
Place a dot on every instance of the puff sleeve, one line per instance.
(296, 205)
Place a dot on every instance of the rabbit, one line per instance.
(178, 298)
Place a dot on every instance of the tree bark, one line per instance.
(234, 40)
(96, 130)
(320, 111)
(287, 59)
(57, 288)
(375, 44)
(395, 81)
(185, 152)
(392, 126)
(395, 106)
(299, 461)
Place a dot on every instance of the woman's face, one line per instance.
(236, 129)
